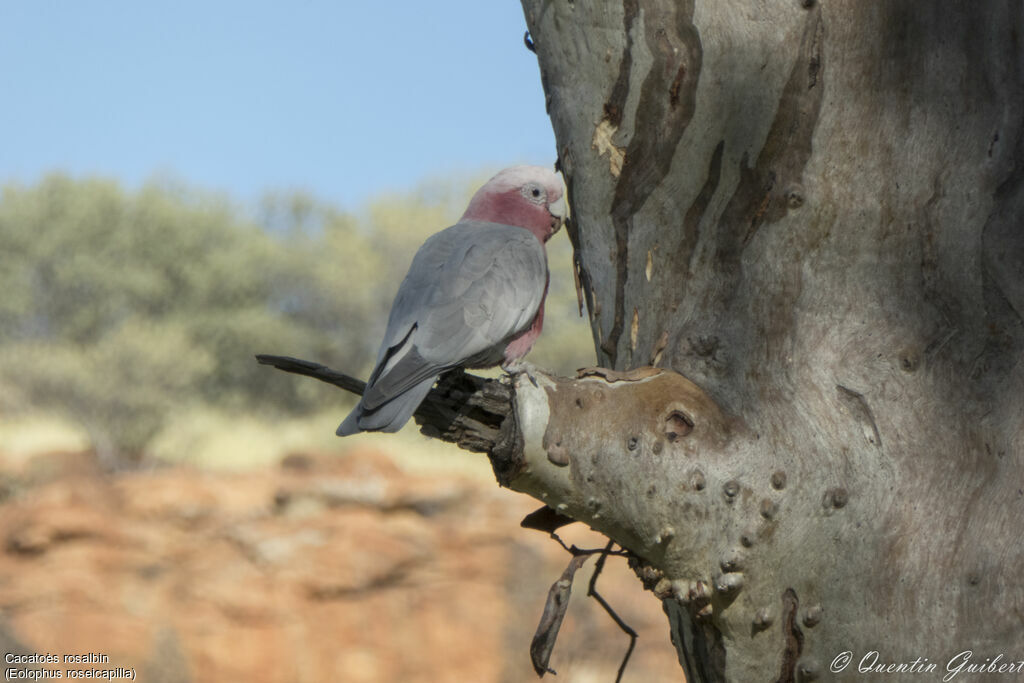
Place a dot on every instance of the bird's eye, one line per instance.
(533, 192)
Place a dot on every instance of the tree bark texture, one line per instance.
(813, 211)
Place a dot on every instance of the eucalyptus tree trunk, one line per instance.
(812, 211)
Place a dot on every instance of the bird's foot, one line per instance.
(519, 366)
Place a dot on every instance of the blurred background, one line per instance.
(186, 185)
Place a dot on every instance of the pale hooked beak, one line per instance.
(557, 211)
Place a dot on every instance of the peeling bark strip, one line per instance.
(691, 223)
(613, 112)
(761, 196)
(1002, 237)
(698, 645)
(551, 619)
(581, 276)
(666, 106)
(613, 108)
(794, 637)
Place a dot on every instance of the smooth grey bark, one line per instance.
(812, 211)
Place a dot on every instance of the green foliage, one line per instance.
(120, 389)
(120, 308)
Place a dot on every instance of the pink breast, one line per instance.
(523, 342)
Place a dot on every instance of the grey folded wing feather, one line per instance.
(469, 290)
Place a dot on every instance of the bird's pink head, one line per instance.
(525, 196)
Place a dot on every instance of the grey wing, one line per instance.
(469, 290)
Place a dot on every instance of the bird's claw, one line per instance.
(521, 367)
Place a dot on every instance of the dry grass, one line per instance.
(211, 440)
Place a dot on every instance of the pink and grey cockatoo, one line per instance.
(473, 296)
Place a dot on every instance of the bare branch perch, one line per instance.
(469, 411)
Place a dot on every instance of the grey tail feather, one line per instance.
(350, 425)
(389, 417)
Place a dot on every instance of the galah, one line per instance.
(473, 296)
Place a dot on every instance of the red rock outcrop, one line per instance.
(324, 569)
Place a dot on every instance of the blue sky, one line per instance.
(343, 99)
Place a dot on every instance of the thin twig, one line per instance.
(604, 552)
(576, 551)
(592, 592)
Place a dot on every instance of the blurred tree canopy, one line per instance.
(120, 308)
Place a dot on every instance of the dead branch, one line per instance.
(474, 413)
